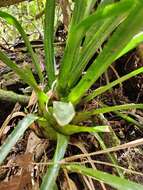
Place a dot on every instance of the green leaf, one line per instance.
(47, 130)
(15, 135)
(135, 41)
(103, 89)
(63, 112)
(52, 172)
(88, 50)
(12, 20)
(48, 40)
(76, 35)
(105, 2)
(80, 8)
(113, 48)
(82, 116)
(72, 129)
(25, 74)
(114, 181)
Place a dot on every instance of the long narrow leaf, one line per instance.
(111, 156)
(81, 116)
(78, 12)
(114, 181)
(103, 89)
(48, 40)
(72, 129)
(135, 41)
(52, 172)
(12, 20)
(15, 135)
(25, 74)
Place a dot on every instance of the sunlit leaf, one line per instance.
(72, 129)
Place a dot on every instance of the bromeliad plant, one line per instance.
(119, 24)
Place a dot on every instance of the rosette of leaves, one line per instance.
(119, 25)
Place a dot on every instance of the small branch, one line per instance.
(10, 96)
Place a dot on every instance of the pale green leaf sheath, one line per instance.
(63, 112)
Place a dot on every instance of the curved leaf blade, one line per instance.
(25, 74)
(82, 116)
(15, 135)
(135, 41)
(114, 181)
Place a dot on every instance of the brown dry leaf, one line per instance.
(72, 185)
(33, 99)
(12, 184)
(65, 10)
(36, 186)
(32, 143)
(23, 180)
(24, 160)
(15, 113)
(36, 146)
(2, 64)
(68, 183)
(69, 186)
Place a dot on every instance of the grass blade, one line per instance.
(15, 135)
(109, 179)
(81, 10)
(48, 40)
(52, 172)
(12, 20)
